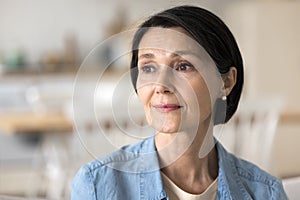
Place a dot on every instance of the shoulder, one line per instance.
(259, 182)
(123, 154)
(248, 177)
(97, 176)
(252, 172)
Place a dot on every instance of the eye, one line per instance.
(148, 69)
(184, 67)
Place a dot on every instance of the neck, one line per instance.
(189, 160)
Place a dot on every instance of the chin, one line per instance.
(168, 131)
(168, 126)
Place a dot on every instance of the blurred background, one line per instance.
(43, 43)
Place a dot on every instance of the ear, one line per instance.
(229, 80)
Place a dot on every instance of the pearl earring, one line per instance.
(224, 98)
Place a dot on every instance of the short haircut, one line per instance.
(211, 33)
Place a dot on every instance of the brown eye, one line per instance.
(184, 67)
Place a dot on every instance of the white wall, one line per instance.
(268, 34)
(39, 26)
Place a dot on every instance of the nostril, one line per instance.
(162, 89)
(167, 91)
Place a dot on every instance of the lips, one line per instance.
(167, 107)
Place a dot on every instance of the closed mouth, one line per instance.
(167, 107)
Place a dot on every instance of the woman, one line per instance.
(187, 71)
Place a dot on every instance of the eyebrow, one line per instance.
(185, 52)
(174, 54)
(146, 56)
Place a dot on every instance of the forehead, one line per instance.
(169, 40)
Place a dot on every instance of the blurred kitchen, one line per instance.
(44, 43)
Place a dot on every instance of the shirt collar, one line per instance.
(151, 181)
(230, 185)
(229, 181)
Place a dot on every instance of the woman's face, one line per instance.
(177, 80)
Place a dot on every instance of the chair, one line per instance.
(252, 131)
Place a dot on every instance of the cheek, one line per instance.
(201, 98)
(142, 94)
(204, 99)
(145, 94)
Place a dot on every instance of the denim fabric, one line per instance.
(132, 173)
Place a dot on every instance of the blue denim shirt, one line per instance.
(133, 173)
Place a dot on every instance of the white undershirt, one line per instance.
(175, 193)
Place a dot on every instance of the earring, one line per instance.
(224, 98)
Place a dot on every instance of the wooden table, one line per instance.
(34, 123)
(55, 130)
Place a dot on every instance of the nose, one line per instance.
(163, 83)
